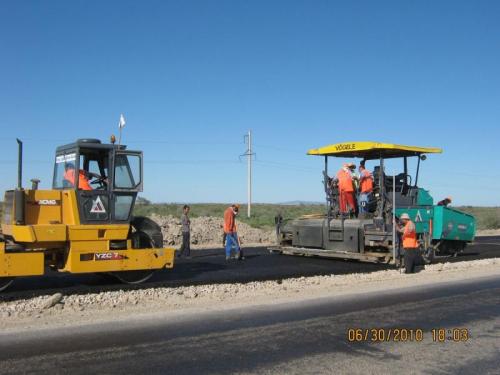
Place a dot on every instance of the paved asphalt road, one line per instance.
(293, 338)
(210, 266)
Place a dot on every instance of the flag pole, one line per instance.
(121, 124)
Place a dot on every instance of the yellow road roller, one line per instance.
(85, 223)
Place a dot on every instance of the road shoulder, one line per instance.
(32, 314)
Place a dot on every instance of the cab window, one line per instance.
(127, 171)
(62, 162)
(123, 206)
(94, 163)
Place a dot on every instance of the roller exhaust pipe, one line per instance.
(19, 164)
(19, 197)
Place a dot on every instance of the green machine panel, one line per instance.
(424, 198)
(450, 224)
(445, 223)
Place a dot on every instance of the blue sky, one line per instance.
(192, 77)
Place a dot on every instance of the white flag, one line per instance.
(121, 124)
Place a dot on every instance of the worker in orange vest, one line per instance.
(347, 202)
(69, 176)
(231, 232)
(365, 188)
(410, 244)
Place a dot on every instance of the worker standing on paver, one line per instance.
(185, 249)
(445, 202)
(346, 189)
(230, 231)
(410, 243)
(365, 188)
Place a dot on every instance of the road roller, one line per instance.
(85, 223)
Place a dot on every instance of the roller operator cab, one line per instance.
(371, 236)
(85, 223)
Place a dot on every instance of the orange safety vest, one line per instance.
(410, 236)
(229, 222)
(83, 182)
(345, 181)
(366, 181)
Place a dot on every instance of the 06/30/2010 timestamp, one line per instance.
(379, 335)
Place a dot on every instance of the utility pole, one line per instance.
(249, 154)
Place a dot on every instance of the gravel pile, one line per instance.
(207, 230)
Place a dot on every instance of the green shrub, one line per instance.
(486, 217)
(490, 222)
(262, 214)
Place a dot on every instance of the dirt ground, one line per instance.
(488, 232)
(58, 310)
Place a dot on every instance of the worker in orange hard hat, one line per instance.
(230, 231)
(410, 243)
(347, 202)
(69, 176)
(445, 202)
(365, 187)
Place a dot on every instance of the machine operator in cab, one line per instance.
(69, 176)
(410, 244)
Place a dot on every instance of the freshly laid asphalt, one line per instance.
(210, 266)
(293, 338)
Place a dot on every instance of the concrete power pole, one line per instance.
(249, 154)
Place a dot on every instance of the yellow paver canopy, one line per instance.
(372, 150)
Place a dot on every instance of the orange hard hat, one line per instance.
(349, 165)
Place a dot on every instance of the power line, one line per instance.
(133, 141)
(174, 142)
(14, 162)
(278, 148)
(199, 161)
(279, 164)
